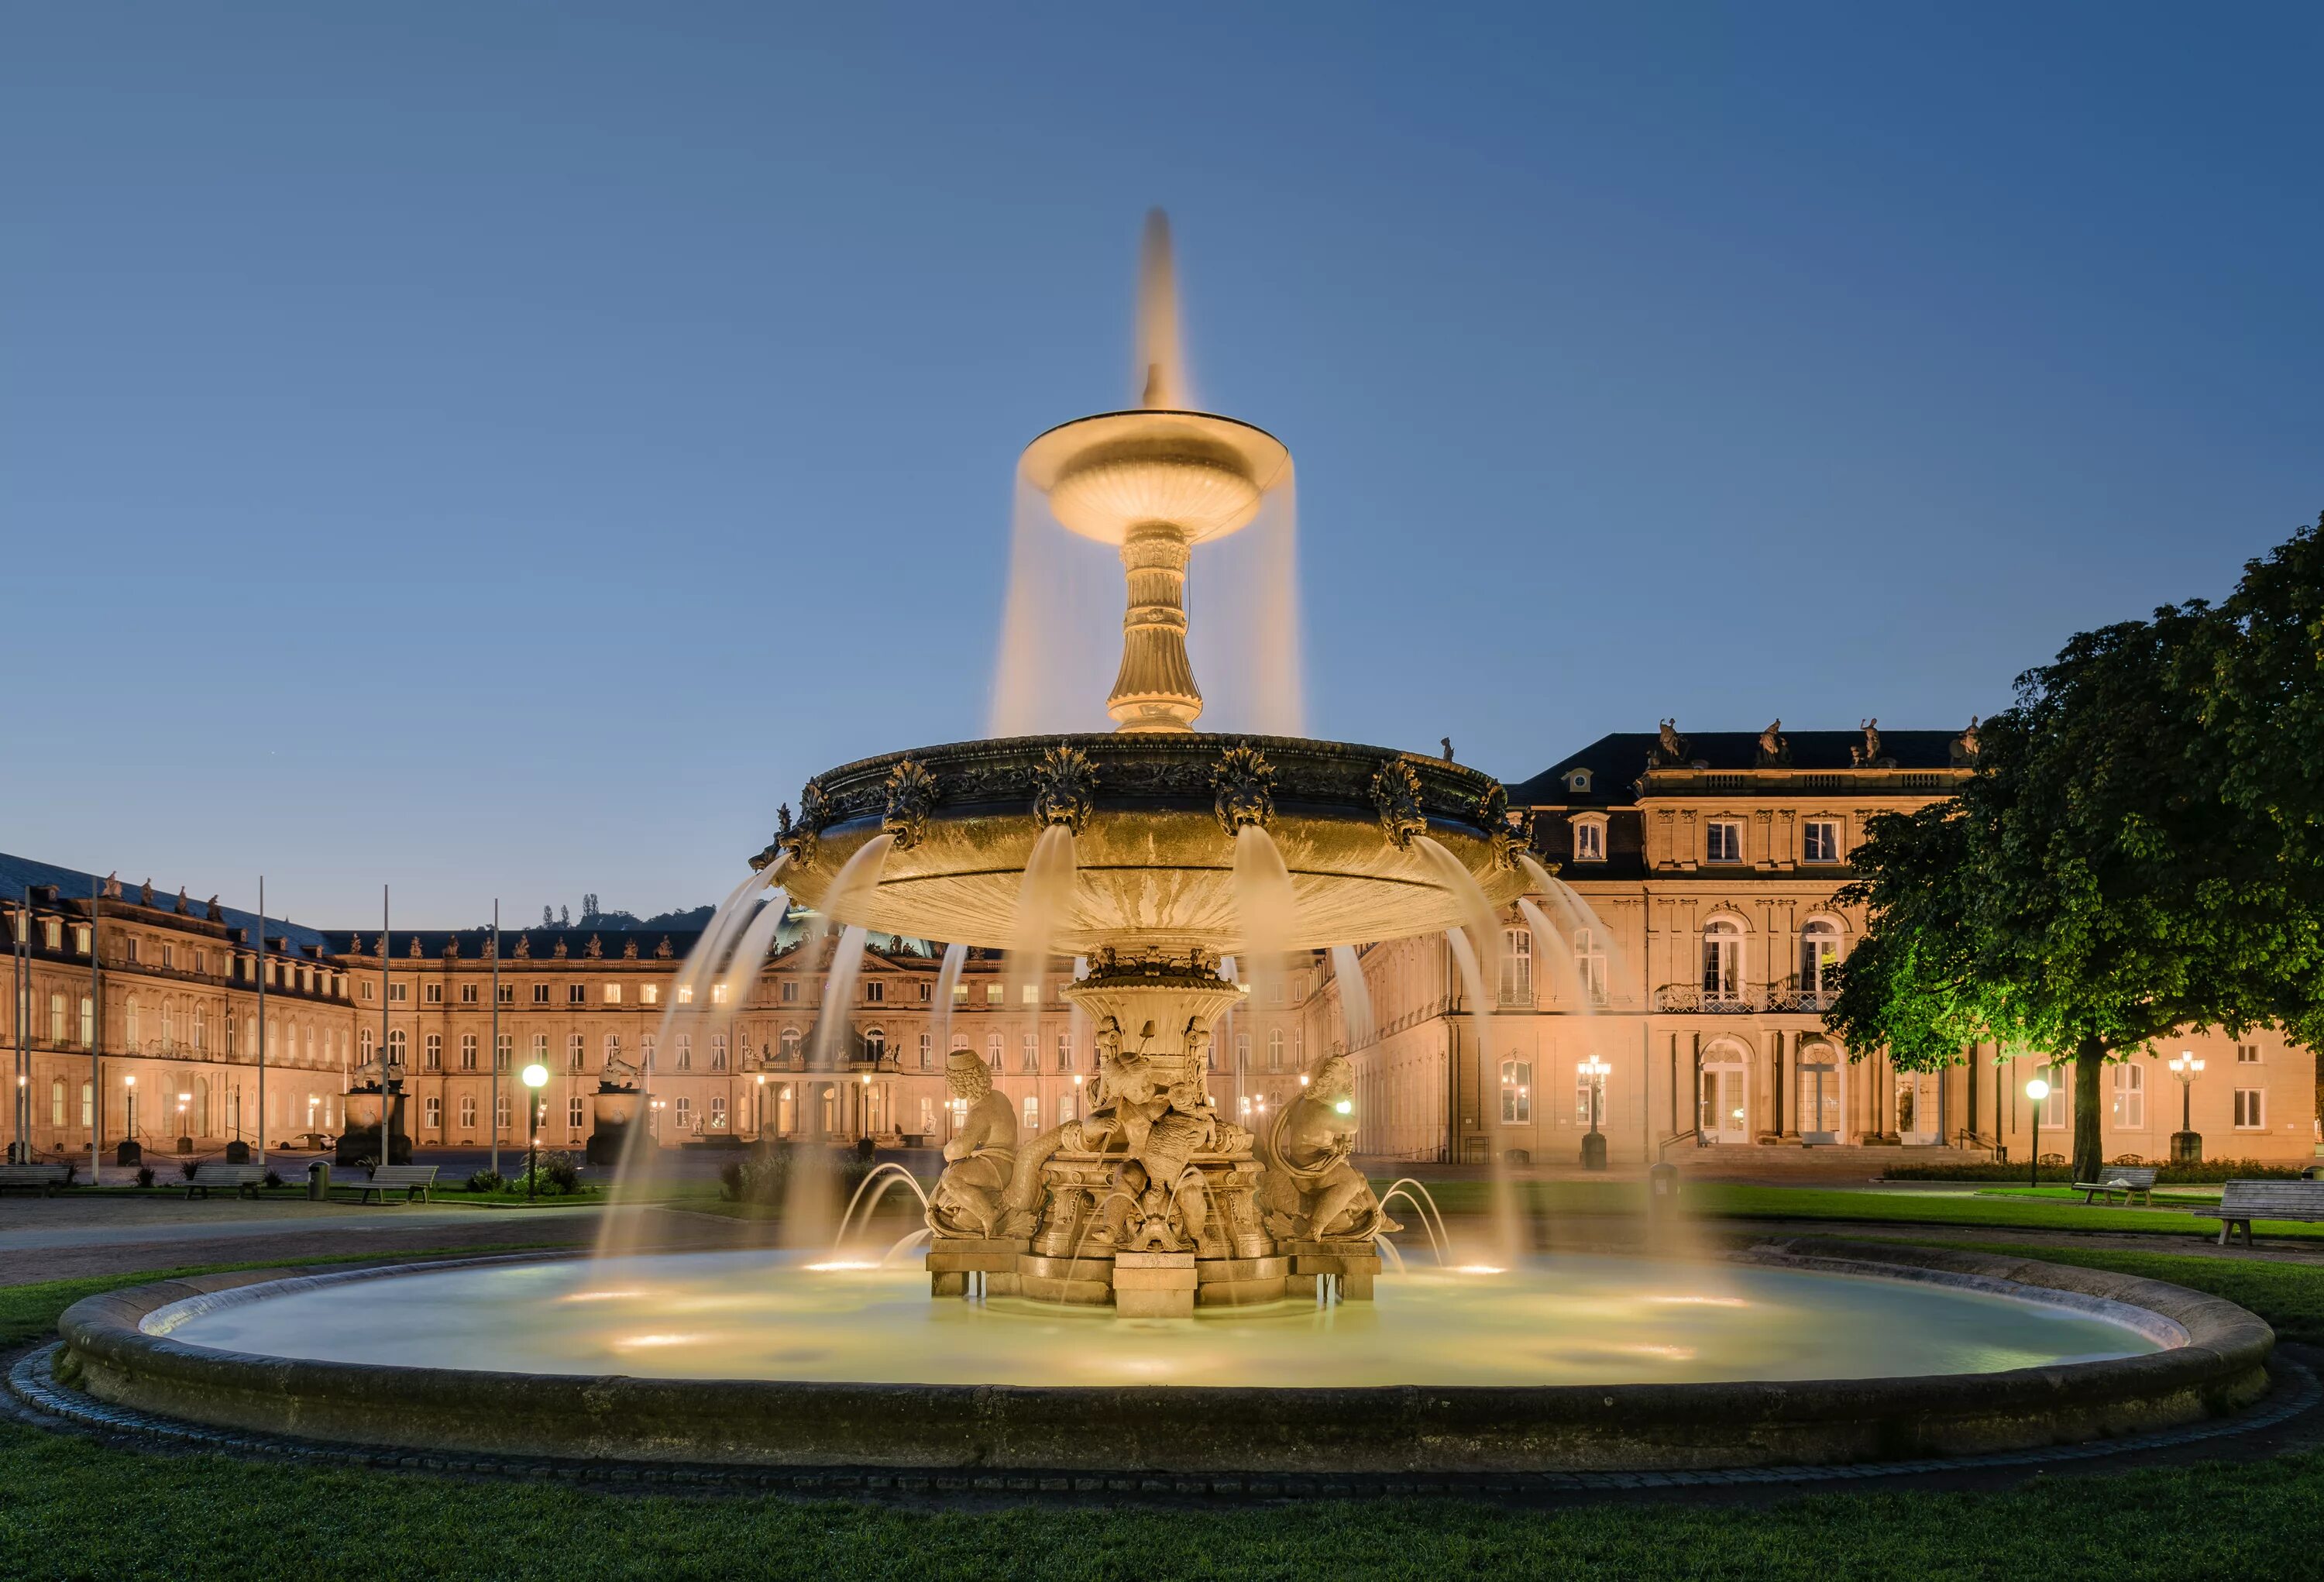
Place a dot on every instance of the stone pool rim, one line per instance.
(2219, 1366)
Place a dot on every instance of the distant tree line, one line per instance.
(596, 917)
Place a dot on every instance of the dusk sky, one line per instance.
(504, 449)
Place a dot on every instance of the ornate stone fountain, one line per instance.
(1153, 1200)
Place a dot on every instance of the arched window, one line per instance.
(875, 1045)
(1517, 1093)
(1722, 960)
(399, 1045)
(1589, 964)
(1590, 838)
(1242, 1052)
(2130, 1097)
(1516, 966)
(788, 1044)
(992, 1051)
(1819, 957)
(1065, 1052)
(927, 1050)
(1032, 1113)
(468, 1111)
(57, 1101)
(717, 1049)
(684, 1052)
(365, 1043)
(134, 1018)
(1275, 1050)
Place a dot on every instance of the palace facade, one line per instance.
(1671, 996)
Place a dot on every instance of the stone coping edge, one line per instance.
(2219, 1366)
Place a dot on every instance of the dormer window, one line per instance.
(1590, 839)
(1577, 780)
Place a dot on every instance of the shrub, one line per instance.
(763, 1176)
(486, 1181)
(144, 1175)
(553, 1175)
(274, 1177)
(189, 1167)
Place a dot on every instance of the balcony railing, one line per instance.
(1781, 998)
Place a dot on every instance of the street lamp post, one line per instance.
(1593, 1141)
(185, 1142)
(2037, 1091)
(759, 1110)
(536, 1076)
(2186, 1144)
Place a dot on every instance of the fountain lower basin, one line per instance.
(1797, 1355)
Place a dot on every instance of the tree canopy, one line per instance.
(2138, 852)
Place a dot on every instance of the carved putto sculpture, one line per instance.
(559, 952)
(524, 946)
(180, 907)
(1868, 756)
(595, 950)
(662, 952)
(146, 894)
(1395, 792)
(1669, 751)
(630, 948)
(1311, 1191)
(979, 1159)
(112, 885)
(1244, 781)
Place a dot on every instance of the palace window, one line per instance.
(503, 1049)
(648, 994)
(1589, 964)
(56, 1101)
(718, 1052)
(573, 1053)
(612, 994)
(927, 1047)
(645, 1052)
(1516, 966)
(2057, 1108)
(1589, 1099)
(398, 994)
(1064, 1109)
(1242, 1052)
(1031, 1055)
(541, 993)
(686, 993)
(875, 992)
(467, 993)
(1517, 1093)
(2130, 1097)
(960, 994)
(789, 993)
(431, 1113)
(992, 1051)
(1030, 994)
(2251, 1109)
(431, 1053)
(1065, 1052)
(398, 1046)
(992, 993)
(2247, 1054)
(467, 1051)
(685, 1109)
(1722, 960)
(790, 1045)
(612, 1048)
(1589, 840)
(1577, 779)
(1274, 1051)
(468, 1112)
(684, 1052)
(925, 993)
(433, 993)
(1723, 839)
(573, 1111)
(1032, 1113)
(500, 1112)
(718, 994)
(1819, 840)
(1820, 957)
(508, 994)
(576, 993)
(717, 1112)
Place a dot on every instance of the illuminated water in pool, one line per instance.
(1561, 1320)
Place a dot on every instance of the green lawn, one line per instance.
(1963, 1207)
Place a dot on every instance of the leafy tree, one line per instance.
(564, 917)
(2088, 890)
(547, 918)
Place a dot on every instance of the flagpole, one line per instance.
(384, 955)
(496, 1035)
(96, 1034)
(264, 966)
(18, 1008)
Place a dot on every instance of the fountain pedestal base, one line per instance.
(1154, 1285)
(1355, 1263)
(952, 1259)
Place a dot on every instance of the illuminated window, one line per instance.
(1722, 960)
(927, 1047)
(612, 994)
(1274, 1051)
(648, 994)
(1589, 964)
(2130, 1097)
(1065, 1052)
(992, 1053)
(432, 1114)
(1516, 966)
(790, 1044)
(686, 993)
(718, 994)
(717, 1112)
(1589, 840)
(992, 994)
(1031, 1056)
(1517, 1093)
(1820, 957)
(1032, 1113)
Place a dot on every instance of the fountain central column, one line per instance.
(1155, 689)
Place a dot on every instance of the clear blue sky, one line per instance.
(505, 449)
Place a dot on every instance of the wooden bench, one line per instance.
(243, 1179)
(413, 1179)
(44, 1179)
(2133, 1182)
(2241, 1202)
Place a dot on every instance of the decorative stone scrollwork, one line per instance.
(799, 838)
(911, 798)
(1063, 781)
(1244, 783)
(1395, 792)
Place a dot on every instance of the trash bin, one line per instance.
(318, 1181)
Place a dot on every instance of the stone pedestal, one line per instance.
(1154, 1285)
(1357, 1264)
(2186, 1148)
(1594, 1150)
(953, 1259)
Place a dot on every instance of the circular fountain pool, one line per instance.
(1791, 1354)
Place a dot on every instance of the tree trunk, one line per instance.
(2089, 1073)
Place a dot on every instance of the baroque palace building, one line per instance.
(1681, 1008)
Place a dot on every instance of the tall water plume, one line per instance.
(811, 1190)
(1551, 946)
(1579, 914)
(1162, 381)
(1477, 948)
(956, 956)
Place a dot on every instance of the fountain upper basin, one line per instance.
(1154, 857)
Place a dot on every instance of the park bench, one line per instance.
(243, 1179)
(2133, 1182)
(413, 1179)
(2241, 1202)
(44, 1179)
